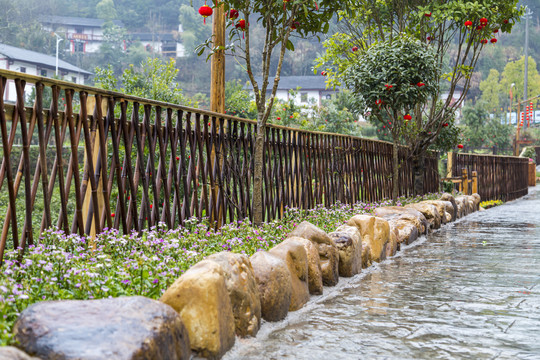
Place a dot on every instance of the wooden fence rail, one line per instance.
(499, 177)
(85, 159)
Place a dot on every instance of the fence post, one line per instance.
(464, 181)
(474, 182)
(449, 164)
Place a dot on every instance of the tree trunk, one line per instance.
(418, 174)
(395, 170)
(258, 217)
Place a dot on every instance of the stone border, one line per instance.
(227, 294)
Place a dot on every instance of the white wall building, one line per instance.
(34, 63)
(311, 89)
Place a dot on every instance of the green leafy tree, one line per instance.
(457, 30)
(480, 131)
(239, 101)
(391, 79)
(514, 73)
(492, 89)
(279, 21)
(153, 79)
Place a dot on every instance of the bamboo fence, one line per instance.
(85, 159)
(499, 177)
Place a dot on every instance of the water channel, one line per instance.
(470, 290)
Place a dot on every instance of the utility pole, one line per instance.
(526, 51)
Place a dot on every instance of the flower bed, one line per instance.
(67, 266)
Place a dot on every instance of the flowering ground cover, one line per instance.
(64, 266)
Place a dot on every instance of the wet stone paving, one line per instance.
(470, 290)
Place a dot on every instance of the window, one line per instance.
(78, 46)
(23, 69)
(303, 97)
(328, 97)
(74, 79)
(43, 73)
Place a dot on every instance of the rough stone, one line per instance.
(448, 216)
(448, 197)
(412, 215)
(315, 283)
(12, 353)
(430, 212)
(294, 254)
(476, 200)
(348, 241)
(117, 328)
(465, 204)
(243, 291)
(407, 232)
(392, 245)
(375, 233)
(328, 254)
(200, 297)
(441, 208)
(274, 283)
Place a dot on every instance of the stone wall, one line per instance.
(227, 294)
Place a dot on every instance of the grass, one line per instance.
(64, 266)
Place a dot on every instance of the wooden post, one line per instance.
(474, 182)
(449, 164)
(217, 72)
(87, 202)
(465, 181)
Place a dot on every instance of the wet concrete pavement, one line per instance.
(471, 290)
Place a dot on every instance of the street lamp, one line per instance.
(58, 39)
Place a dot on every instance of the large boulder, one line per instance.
(315, 283)
(348, 241)
(294, 254)
(429, 211)
(328, 254)
(201, 298)
(274, 283)
(375, 233)
(448, 197)
(405, 230)
(116, 328)
(410, 214)
(392, 246)
(476, 201)
(465, 205)
(441, 208)
(243, 291)
(12, 353)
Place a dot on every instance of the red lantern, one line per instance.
(205, 11)
(241, 25)
(493, 41)
(407, 117)
(479, 27)
(460, 146)
(495, 31)
(420, 84)
(429, 38)
(427, 14)
(233, 14)
(323, 73)
(468, 23)
(445, 124)
(484, 41)
(294, 25)
(388, 86)
(355, 48)
(483, 21)
(505, 21)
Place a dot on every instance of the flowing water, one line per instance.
(470, 290)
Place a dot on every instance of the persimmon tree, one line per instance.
(280, 21)
(390, 79)
(456, 30)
